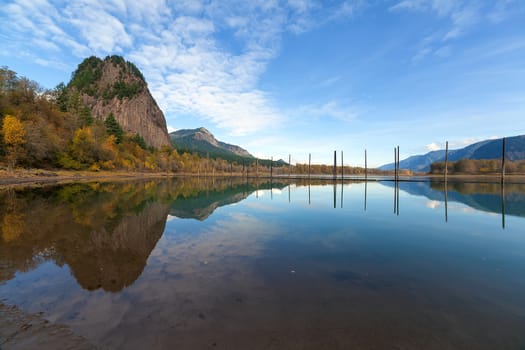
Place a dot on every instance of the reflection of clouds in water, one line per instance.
(260, 193)
(264, 207)
(185, 277)
(463, 208)
(276, 191)
(432, 204)
(238, 235)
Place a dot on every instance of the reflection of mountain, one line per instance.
(480, 196)
(112, 261)
(202, 203)
(103, 232)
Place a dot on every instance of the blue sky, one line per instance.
(298, 76)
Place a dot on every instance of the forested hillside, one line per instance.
(50, 129)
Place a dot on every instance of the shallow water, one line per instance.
(202, 263)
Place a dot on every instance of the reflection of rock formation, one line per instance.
(114, 260)
(479, 196)
(103, 232)
(203, 203)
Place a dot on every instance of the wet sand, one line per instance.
(21, 330)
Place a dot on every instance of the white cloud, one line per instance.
(460, 17)
(330, 109)
(433, 147)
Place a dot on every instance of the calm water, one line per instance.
(227, 264)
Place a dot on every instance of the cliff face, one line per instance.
(115, 86)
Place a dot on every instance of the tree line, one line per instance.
(478, 166)
(54, 129)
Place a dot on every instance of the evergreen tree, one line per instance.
(114, 128)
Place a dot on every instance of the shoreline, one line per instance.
(24, 330)
(37, 177)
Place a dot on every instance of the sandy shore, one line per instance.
(40, 177)
(21, 330)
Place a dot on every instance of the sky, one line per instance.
(298, 76)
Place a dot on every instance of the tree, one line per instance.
(14, 139)
(114, 128)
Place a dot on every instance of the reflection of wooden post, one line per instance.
(342, 192)
(366, 185)
(395, 196)
(397, 206)
(503, 205)
(503, 161)
(446, 200)
(309, 198)
(335, 194)
(309, 163)
(446, 161)
(366, 171)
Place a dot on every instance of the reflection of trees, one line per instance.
(104, 232)
(480, 196)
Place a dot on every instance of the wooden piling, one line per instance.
(395, 164)
(342, 166)
(446, 161)
(256, 167)
(289, 165)
(503, 161)
(398, 166)
(335, 164)
(309, 164)
(271, 168)
(366, 168)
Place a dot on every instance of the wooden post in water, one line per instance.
(309, 164)
(446, 161)
(271, 168)
(503, 161)
(335, 164)
(342, 166)
(289, 165)
(398, 168)
(242, 175)
(366, 168)
(256, 167)
(395, 164)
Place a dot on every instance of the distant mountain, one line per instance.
(487, 149)
(204, 143)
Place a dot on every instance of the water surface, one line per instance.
(202, 263)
